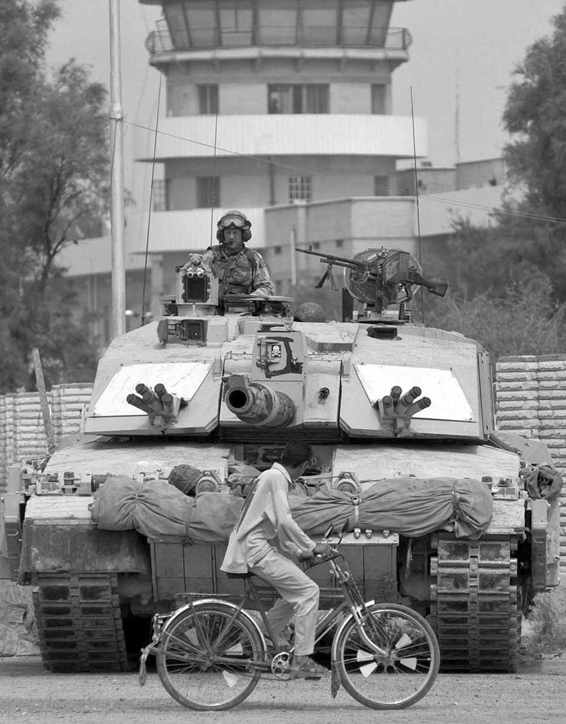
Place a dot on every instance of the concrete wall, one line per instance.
(473, 174)
(342, 227)
(22, 436)
(531, 401)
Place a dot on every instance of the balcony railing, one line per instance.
(162, 40)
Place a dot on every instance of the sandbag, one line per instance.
(213, 516)
(152, 507)
(410, 506)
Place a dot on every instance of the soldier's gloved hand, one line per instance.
(260, 294)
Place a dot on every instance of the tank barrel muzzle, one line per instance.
(257, 404)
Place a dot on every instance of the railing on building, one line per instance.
(162, 40)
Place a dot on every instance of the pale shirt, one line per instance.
(266, 518)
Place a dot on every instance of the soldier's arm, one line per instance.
(262, 278)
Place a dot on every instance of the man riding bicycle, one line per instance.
(265, 523)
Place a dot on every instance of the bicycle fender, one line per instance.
(201, 602)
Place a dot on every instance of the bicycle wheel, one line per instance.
(207, 659)
(406, 669)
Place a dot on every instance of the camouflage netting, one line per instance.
(410, 506)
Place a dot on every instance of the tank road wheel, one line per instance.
(475, 608)
(79, 622)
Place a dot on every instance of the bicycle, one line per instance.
(211, 652)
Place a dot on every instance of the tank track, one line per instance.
(475, 604)
(79, 622)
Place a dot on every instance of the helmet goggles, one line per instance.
(235, 220)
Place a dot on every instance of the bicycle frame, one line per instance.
(352, 604)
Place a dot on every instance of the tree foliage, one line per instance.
(498, 294)
(535, 114)
(54, 173)
(508, 281)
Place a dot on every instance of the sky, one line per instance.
(462, 49)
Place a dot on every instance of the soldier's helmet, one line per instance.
(236, 219)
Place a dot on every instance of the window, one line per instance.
(339, 243)
(208, 99)
(208, 191)
(297, 98)
(277, 25)
(379, 99)
(236, 23)
(160, 194)
(381, 185)
(319, 23)
(277, 250)
(300, 188)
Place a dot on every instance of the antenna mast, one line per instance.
(117, 177)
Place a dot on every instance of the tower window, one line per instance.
(208, 99)
(300, 188)
(160, 194)
(381, 185)
(208, 191)
(298, 98)
(379, 99)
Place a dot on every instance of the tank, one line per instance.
(223, 385)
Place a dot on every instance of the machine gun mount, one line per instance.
(380, 279)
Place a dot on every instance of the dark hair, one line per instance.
(296, 453)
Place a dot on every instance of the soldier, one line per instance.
(239, 270)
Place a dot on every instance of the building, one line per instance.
(268, 103)
(281, 108)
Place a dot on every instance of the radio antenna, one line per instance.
(417, 198)
(214, 201)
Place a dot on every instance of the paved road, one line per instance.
(28, 693)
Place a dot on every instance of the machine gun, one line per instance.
(379, 277)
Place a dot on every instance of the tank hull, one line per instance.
(95, 589)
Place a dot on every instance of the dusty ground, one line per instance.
(28, 693)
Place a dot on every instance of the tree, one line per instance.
(54, 169)
(535, 113)
(535, 116)
(24, 27)
(64, 177)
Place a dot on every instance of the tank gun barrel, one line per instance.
(434, 286)
(256, 403)
(334, 260)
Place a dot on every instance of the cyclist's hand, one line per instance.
(321, 549)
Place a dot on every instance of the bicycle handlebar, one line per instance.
(316, 560)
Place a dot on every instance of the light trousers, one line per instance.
(299, 598)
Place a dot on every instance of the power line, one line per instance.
(304, 170)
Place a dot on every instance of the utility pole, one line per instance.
(117, 176)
